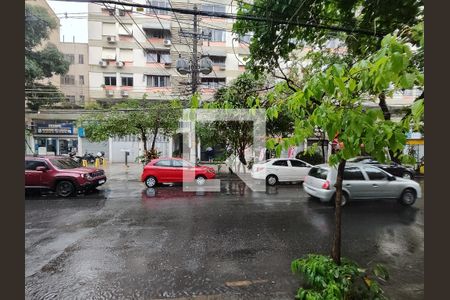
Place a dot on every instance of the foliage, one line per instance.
(313, 158)
(134, 117)
(41, 61)
(326, 280)
(93, 105)
(273, 41)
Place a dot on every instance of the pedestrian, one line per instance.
(209, 153)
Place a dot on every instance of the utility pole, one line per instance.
(194, 54)
(203, 65)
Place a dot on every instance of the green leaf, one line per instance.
(396, 62)
(351, 85)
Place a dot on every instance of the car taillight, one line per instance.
(326, 185)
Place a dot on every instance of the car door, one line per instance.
(33, 177)
(355, 182)
(299, 169)
(182, 171)
(280, 168)
(163, 170)
(379, 186)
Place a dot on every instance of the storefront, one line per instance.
(54, 137)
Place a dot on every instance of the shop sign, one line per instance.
(61, 128)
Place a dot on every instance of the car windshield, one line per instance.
(62, 163)
(318, 173)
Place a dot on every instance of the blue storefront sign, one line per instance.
(54, 128)
(81, 132)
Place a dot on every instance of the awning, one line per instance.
(165, 25)
(156, 72)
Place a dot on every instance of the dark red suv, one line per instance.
(61, 174)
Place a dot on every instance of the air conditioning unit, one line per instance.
(124, 93)
(109, 93)
(122, 12)
(167, 43)
(111, 39)
(103, 63)
(120, 64)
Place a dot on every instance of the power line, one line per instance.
(241, 17)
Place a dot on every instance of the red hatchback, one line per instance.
(60, 174)
(164, 170)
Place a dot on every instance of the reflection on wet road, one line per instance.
(129, 242)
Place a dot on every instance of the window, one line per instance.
(70, 58)
(216, 34)
(158, 81)
(157, 33)
(70, 98)
(80, 59)
(218, 60)
(127, 80)
(181, 163)
(126, 29)
(81, 79)
(64, 163)
(126, 55)
(159, 57)
(109, 29)
(245, 38)
(213, 82)
(213, 8)
(297, 163)
(82, 98)
(282, 163)
(68, 79)
(163, 163)
(375, 174)
(318, 173)
(109, 53)
(110, 80)
(33, 164)
(353, 173)
(160, 3)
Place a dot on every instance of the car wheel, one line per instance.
(65, 188)
(344, 199)
(407, 175)
(408, 197)
(150, 181)
(200, 180)
(271, 180)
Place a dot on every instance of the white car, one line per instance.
(280, 170)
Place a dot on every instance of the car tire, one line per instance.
(407, 175)
(65, 188)
(408, 197)
(344, 200)
(151, 181)
(271, 180)
(200, 180)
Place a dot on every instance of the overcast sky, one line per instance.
(71, 27)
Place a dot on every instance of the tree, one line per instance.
(338, 94)
(41, 61)
(134, 117)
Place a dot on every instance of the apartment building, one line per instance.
(74, 84)
(133, 51)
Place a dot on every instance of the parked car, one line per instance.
(280, 170)
(392, 168)
(60, 174)
(165, 170)
(361, 181)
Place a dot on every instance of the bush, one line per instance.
(314, 158)
(326, 280)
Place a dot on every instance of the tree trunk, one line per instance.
(323, 151)
(242, 156)
(144, 140)
(155, 133)
(383, 106)
(336, 250)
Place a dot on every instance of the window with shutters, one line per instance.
(127, 79)
(158, 81)
(110, 80)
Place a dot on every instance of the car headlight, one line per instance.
(87, 176)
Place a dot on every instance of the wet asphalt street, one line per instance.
(129, 242)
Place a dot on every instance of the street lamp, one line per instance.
(319, 133)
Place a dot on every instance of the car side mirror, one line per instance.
(391, 178)
(41, 168)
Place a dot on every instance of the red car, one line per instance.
(165, 170)
(63, 175)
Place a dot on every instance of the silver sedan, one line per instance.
(360, 181)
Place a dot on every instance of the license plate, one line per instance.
(101, 181)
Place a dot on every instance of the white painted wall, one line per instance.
(95, 30)
(95, 55)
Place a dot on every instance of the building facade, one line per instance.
(75, 84)
(133, 51)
